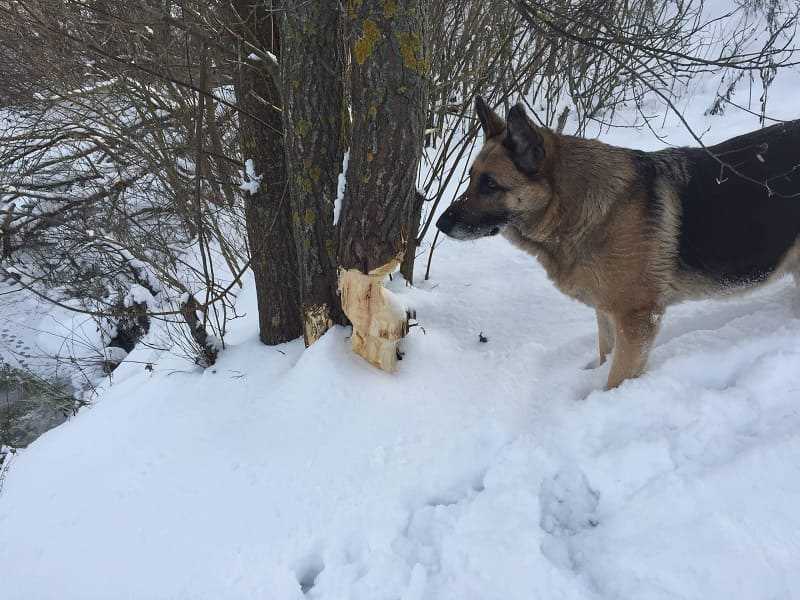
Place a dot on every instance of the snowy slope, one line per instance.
(479, 471)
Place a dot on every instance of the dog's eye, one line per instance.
(487, 184)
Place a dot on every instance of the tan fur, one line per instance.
(583, 212)
(585, 197)
(571, 241)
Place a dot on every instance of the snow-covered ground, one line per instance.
(479, 471)
(46, 339)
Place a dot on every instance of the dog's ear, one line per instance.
(491, 122)
(523, 142)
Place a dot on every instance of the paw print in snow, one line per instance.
(568, 503)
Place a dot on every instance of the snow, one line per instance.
(269, 56)
(138, 294)
(114, 354)
(478, 471)
(51, 341)
(341, 185)
(250, 181)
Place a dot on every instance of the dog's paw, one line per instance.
(593, 364)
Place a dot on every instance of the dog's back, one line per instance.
(739, 215)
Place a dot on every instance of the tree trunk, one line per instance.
(407, 266)
(207, 349)
(313, 92)
(267, 211)
(388, 104)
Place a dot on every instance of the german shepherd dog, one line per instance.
(630, 232)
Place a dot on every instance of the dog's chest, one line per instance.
(576, 281)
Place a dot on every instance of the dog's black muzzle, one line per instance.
(446, 221)
(461, 224)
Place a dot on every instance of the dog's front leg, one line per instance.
(634, 333)
(605, 339)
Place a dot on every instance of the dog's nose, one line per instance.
(445, 222)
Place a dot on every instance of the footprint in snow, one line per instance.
(308, 570)
(568, 503)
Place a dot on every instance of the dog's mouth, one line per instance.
(466, 231)
(456, 226)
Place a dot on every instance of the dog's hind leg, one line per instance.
(605, 339)
(792, 265)
(796, 300)
(634, 335)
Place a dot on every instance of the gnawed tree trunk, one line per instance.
(313, 92)
(388, 105)
(269, 229)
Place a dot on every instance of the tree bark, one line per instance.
(313, 91)
(268, 215)
(388, 104)
(207, 350)
(407, 266)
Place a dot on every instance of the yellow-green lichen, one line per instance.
(411, 50)
(389, 8)
(330, 247)
(365, 45)
(303, 183)
(309, 217)
(309, 28)
(352, 8)
(302, 127)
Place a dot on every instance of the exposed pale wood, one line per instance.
(379, 320)
(316, 321)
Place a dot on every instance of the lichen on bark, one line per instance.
(410, 44)
(365, 45)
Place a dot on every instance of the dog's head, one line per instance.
(509, 183)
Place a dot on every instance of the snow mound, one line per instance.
(478, 471)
